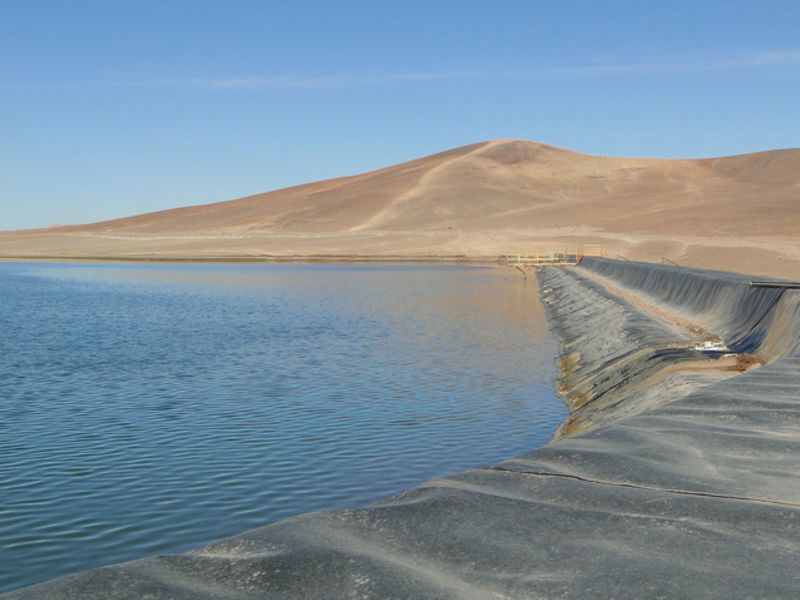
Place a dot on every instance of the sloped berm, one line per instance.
(676, 476)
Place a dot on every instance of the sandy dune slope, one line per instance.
(483, 200)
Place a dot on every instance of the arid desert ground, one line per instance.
(739, 213)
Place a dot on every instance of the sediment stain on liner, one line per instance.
(155, 408)
(639, 354)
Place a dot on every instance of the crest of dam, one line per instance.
(676, 475)
(751, 318)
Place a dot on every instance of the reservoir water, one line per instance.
(152, 408)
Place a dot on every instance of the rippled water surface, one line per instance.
(151, 408)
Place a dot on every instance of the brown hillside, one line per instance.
(484, 200)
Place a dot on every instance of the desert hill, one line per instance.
(483, 200)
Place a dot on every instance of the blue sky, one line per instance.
(111, 108)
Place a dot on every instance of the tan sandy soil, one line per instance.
(737, 213)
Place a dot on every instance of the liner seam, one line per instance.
(643, 487)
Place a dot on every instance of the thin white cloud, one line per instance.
(302, 82)
(591, 70)
(320, 82)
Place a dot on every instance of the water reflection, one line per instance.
(155, 407)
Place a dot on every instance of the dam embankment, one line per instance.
(676, 476)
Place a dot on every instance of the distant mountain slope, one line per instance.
(484, 199)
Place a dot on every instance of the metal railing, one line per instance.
(552, 259)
